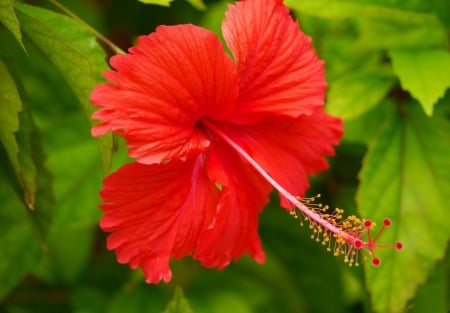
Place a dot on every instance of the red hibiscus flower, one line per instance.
(212, 135)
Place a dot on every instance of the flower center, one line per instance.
(342, 236)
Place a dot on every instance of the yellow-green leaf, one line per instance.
(198, 4)
(165, 3)
(424, 73)
(178, 304)
(352, 95)
(9, 19)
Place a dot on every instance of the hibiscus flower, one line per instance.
(212, 135)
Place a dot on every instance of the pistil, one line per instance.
(347, 233)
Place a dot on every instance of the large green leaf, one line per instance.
(9, 19)
(356, 93)
(405, 177)
(424, 73)
(383, 25)
(74, 51)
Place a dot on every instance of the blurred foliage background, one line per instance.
(388, 70)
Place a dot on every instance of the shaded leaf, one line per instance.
(363, 128)
(28, 171)
(10, 106)
(20, 248)
(74, 51)
(404, 177)
(137, 299)
(356, 93)
(77, 169)
(9, 19)
(424, 73)
(178, 304)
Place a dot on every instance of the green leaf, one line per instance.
(10, 106)
(405, 177)
(9, 19)
(424, 73)
(74, 51)
(356, 93)
(165, 3)
(178, 304)
(20, 248)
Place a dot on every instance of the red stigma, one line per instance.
(368, 223)
(376, 261)
(387, 222)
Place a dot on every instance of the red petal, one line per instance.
(278, 70)
(159, 91)
(234, 230)
(289, 149)
(156, 212)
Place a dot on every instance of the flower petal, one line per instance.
(156, 212)
(234, 230)
(159, 91)
(289, 149)
(278, 70)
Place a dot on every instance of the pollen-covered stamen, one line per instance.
(342, 236)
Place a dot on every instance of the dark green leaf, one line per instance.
(9, 19)
(178, 304)
(432, 294)
(424, 73)
(404, 177)
(74, 51)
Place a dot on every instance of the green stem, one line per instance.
(102, 38)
